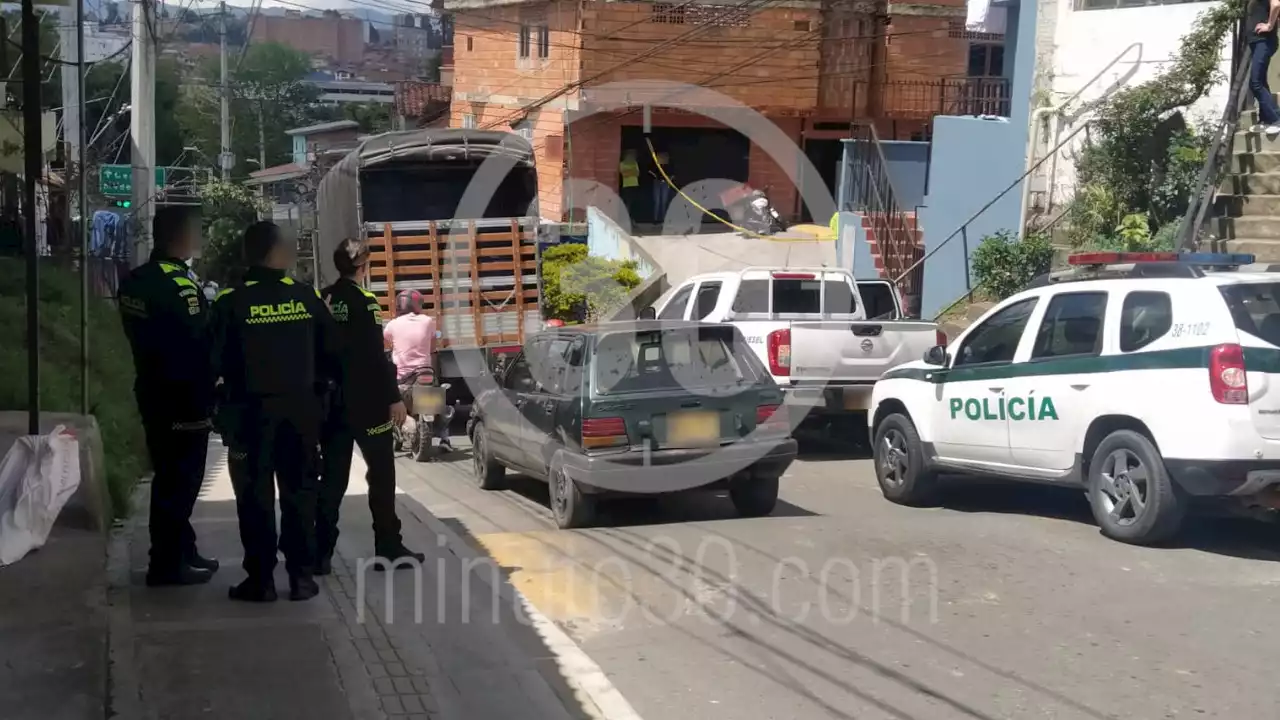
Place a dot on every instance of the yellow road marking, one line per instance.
(545, 567)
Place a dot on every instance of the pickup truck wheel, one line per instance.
(1132, 496)
(899, 459)
(754, 496)
(570, 507)
(489, 473)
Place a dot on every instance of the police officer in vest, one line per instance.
(273, 346)
(365, 406)
(629, 172)
(164, 313)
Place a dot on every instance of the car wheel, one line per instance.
(754, 496)
(1133, 498)
(490, 474)
(899, 459)
(570, 507)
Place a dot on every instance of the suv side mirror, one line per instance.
(648, 314)
(936, 355)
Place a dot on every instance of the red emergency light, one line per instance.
(1118, 258)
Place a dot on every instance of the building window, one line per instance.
(524, 41)
(986, 60)
(544, 42)
(668, 14)
(468, 121)
(802, 26)
(1115, 4)
(468, 43)
(958, 31)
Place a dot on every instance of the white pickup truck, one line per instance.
(825, 338)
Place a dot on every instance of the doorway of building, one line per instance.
(826, 156)
(699, 161)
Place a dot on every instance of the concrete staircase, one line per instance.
(903, 258)
(1248, 203)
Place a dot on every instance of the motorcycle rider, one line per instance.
(411, 336)
(363, 410)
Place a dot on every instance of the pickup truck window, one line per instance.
(675, 309)
(795, 296)
(1072, 325)
(996, 339)
(708, 295)
(838, 298)
(877, 298)
(688, 358)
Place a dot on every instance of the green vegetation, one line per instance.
(576, 286)
(1003, 265)
(226, 210)
(110, 367)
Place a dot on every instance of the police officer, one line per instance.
(164, 315)
(273, 347)
(366, 405)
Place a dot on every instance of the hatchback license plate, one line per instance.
(693, 429)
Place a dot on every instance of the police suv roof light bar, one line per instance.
(1222, 260)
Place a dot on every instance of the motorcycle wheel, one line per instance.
(422, 441)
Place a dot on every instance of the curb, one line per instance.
(584, 677)
(124, 691)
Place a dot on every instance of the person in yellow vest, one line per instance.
(661, 190)
(629, 170)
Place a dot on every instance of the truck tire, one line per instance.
(570, 507)
(899, 460)
(1133, 498)
(754, 496)
(489, 473)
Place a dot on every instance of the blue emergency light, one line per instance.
(1118, 258)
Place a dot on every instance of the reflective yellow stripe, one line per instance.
(184, 282)
(386, 427)
(286, 280)
(278, 318)
(317, 292)
(171, 268)
(368, 294)
(223, 291)
(249, 283)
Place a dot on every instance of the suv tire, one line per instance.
(1127, 474)
(754, 496)
(570, 507)
(899, 462)
(489, 473)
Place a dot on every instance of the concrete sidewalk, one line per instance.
(426, 642)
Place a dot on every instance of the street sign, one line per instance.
(118, 179)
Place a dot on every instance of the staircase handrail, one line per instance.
(886, 210)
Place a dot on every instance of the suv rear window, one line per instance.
(707, 358)
(1255, 309)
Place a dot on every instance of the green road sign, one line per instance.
(118, 179)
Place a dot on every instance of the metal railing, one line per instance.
(951, 96)
(871, 194)
(1218, 157)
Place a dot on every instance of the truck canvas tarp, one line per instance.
(478, 271)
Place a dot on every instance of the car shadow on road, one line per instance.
(1240, 537)
(816, 447)
(682, 507)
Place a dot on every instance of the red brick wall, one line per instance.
(919, 48)
(339, 38)
(486, 59)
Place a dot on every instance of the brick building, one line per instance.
(809, 66)
(340, 39)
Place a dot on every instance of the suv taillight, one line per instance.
(1227, 379)
(779, 343)
(603, 432)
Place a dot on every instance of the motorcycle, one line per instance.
(429, 412)
(751, 209)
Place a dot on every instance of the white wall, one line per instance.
(1085, 42)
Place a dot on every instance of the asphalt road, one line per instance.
(1004, 602)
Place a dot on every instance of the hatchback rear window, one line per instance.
(1255, 309)
(691, 358)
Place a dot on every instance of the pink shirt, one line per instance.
(412, 338)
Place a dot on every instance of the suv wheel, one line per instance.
(1133, 498)
(754, 496)
(899, 459)
(490, 474)
(570, 507)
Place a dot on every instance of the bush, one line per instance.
(1003, 265)
(110, 367)
(226, 210)
(576, 286)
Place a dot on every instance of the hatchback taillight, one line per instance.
(604, 432)
(773, 417)
(1228, 381)
(779, 344)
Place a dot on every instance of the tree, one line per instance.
(108, 82)
(226, 210)
(576, 286)
(51, 91)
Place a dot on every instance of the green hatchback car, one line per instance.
(635, 408)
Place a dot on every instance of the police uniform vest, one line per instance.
(630, 170)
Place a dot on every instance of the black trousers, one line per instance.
(276, 440)
(178, 452)
(341, 434)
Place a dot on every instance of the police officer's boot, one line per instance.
(253, 590)
(398, 556)
(302, 587)
(181, 575)
(200, 562)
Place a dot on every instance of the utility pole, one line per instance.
(224, 157)
(82, 173)
(33, 155)
(143, 128)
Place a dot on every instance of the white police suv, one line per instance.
(1148, 379)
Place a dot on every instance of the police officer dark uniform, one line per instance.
(365, 407)
(164, 316)
(273, 347)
